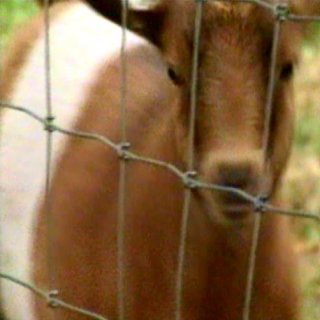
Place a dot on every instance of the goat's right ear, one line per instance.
(148, 21)
(111, 9)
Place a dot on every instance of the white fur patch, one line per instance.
(81, 42)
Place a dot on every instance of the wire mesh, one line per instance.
(189, 179)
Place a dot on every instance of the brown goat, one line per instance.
(233, 79)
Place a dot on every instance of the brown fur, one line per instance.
(232, 91)
(217, 260)
(145, 107)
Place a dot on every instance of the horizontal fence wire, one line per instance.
(51, 297)
(189, 179)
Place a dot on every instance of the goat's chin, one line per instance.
(234, 208)
(236, 212)
(236, 216)
(220, 212)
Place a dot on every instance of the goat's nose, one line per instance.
(237, 175)
(244, 176)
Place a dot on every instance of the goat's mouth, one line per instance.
(237, 212)
(235, 207)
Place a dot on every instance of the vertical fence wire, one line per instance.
(48, 150)
(265, 142)
(123, 167)
(190, 160)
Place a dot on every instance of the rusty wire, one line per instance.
(189, 179)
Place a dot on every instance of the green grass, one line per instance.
(308, 133)
(13, 13)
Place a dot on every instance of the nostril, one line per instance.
(237, 176)
(242, 175)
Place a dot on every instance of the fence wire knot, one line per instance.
(49, 124)
(282, 12)
(122, 150)
(260, 203)
(189, 179)
(52, 299)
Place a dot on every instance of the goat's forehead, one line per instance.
(216, 13)
(220, 8)
(233, 13)
(227, 9)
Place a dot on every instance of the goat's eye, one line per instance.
(287, 71)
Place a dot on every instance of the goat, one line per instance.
(233, 80)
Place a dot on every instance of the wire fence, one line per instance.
(189, 178)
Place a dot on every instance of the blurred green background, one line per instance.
(302, 185)
(13, 13)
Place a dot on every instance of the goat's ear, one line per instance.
(109, 8)
(148, 21)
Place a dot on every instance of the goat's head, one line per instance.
(233, 80)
